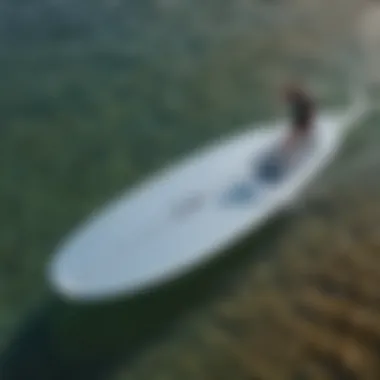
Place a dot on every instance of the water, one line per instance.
(91, 101)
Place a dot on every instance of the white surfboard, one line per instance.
(188, 213)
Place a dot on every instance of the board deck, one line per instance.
(186, 214)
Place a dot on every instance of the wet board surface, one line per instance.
(187, 213)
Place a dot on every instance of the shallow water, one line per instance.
(89, 106)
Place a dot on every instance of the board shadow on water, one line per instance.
(67, 341)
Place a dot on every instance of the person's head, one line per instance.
(290, 90)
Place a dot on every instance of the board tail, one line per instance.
(359, 109)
